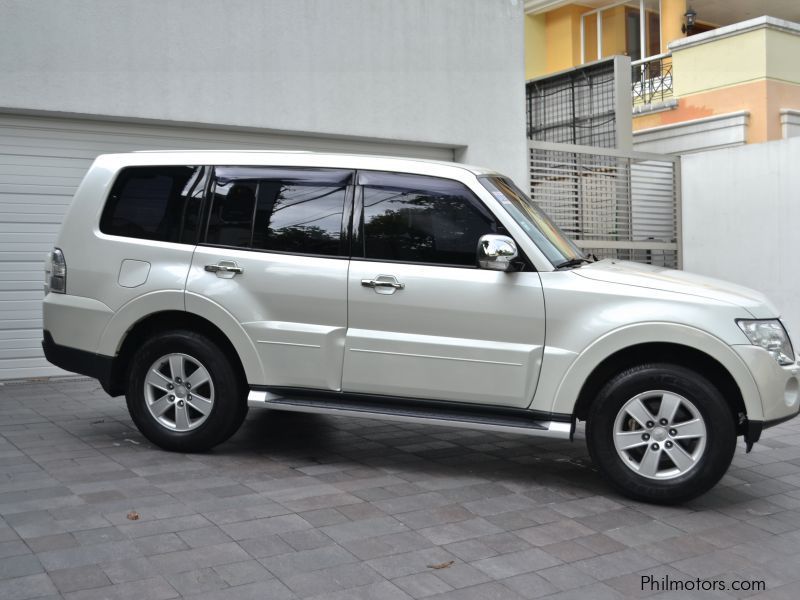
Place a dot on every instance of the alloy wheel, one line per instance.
(179, 392)
(660, 435)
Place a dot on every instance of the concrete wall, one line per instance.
(447, 72)
(790, 123)
(697, 135)
(741, 215)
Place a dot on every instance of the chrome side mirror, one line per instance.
(496, 252)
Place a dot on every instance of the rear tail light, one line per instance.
(55, 272)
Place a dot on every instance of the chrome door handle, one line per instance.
(225, 267)
(384, 283)
(371, 283)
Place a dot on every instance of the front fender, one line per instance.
(570, 383)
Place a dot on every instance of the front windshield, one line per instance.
(540, 229)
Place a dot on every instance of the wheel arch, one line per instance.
(171, 320)
(682, 345)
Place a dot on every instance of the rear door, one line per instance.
(274, 255)
(424, 321)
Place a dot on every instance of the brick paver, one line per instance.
(305, 506)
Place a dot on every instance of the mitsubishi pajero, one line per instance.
(197, 283)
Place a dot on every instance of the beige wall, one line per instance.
(762, 53)
(783, 56)
(721, 63)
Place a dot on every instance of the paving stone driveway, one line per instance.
(299, 506)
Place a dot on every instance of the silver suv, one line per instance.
(198, 283)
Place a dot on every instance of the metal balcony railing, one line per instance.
(651, 79)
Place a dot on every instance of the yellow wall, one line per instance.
(561, 31)
(535, 46)
(672, 18)
(563, 37)
(591, 37)
(613, 31)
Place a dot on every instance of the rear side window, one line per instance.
(281, 210)
(420, 219)
(155, 203)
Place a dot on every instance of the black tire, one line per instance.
(229, 403)
(711, 462)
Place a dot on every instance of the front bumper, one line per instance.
(779, 388)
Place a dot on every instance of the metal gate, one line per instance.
(613, 204)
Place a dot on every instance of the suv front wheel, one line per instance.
(183, 393)
(661, 433)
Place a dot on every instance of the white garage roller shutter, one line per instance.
(42, 161)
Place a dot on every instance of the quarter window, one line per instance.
(419, 219)
(155, 203)
(283, 210)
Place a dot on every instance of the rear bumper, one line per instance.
(98, 366)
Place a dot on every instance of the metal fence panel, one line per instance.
(576, 107)
(614, 204)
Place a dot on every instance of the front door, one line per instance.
(424, 321)
(274, 255)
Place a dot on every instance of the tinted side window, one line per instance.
(155, 203)
(283, 210)
(232, 208)
(412, 218)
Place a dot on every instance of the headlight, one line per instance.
(770, 335)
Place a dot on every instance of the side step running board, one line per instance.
(411, 412)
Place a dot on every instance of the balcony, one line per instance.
(651, 80)
(732, 85)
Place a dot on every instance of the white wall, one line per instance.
(741, 219)
(698, 135)
(446, 71)
(790, 123)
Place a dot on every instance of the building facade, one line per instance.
(705, 73)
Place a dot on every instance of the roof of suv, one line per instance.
(292, 158)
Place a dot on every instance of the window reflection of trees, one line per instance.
(300, 218)
(421, 227)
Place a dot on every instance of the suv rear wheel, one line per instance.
(183, 393)
(661, 433)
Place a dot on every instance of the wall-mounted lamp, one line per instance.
(691, 17)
